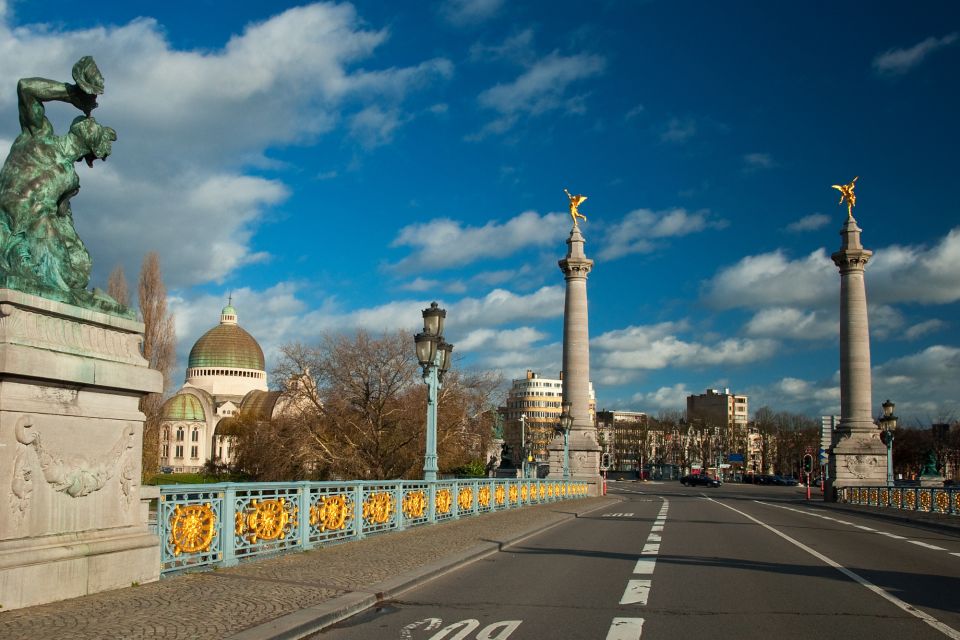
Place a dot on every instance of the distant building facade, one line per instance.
(625, 436)
(535, 401)
(225, 375)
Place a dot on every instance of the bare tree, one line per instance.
(117, 286)
(159, 348)
(362, 416)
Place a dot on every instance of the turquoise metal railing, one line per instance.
(924, 499)
(208, 525)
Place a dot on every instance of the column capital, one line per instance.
(848, 260)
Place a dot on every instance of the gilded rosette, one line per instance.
(910, 499)
(483, 497)
(513, 493)
(874, 496)
(925, 501)
(192, 528)
(331, 513)
(897, 498)
(266, 520)
(465, 499)
(414, 504)
(884, 498)
(550, 491)
(524, 493)
(543, 492)
(943, 501)
(379, 507)
(501, 495)
(444, 501)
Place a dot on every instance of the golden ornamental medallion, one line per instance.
(378, 508)
(414, 504)
(483, 496)
(192, 528)
(500, 495)
(465, 499)
(444, 501)
(332, 513)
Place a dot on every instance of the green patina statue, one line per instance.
(40, 251)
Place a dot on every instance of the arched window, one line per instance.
(179, 434)
(195, 436)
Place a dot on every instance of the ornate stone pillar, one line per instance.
(857, 456)
(72, 521)
(583, 448)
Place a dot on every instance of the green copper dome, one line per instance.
(227, 345)
(183, 407)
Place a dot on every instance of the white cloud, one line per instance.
(636, 232)
(634, 112)
(923, 384)
(787, 322)
(924, 328)
(757, 161)
(678, 130)
(188, 120)
(760, 281)
(811, 222)
(518, 46)
(443, 243)
(900, 61)
(464, 12)
(539, 89)
(926, 275)
(513, 340)
(673, 397)
(659, 347)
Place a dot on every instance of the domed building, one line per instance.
(226, 374)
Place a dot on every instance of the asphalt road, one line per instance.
(676, 562)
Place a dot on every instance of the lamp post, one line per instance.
(523, 446)
(566, 421)
(888, 425)
(433, 352)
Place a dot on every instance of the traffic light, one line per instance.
(604, 460)
(808, 463)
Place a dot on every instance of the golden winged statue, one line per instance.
(847, 195)
(575, 201)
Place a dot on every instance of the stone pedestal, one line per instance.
(583, 448)
(857, 456)
(71, 432)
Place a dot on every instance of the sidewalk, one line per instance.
(288, 596)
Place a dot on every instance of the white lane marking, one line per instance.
(653, 537)
(637, 592)
(650, 549)
(882, 533)
(946, 630)
(646, 565)
(928, 546)
(955, 554)
(656, 527)
(617, 515)
(625, 629)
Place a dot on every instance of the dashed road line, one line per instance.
(946, 630)
(858, 526)
(645, 565)
(637, 592)
(625, 629)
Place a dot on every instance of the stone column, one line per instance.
(583, 448)
(71, 433)
(857, 456)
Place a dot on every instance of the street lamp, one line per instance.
(888, 424)
(523, 446)
(433, 352)
(566, 421)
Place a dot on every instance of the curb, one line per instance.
(299, 624)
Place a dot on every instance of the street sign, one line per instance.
(724, 466)
(735, 457)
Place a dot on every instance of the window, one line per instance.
(194, 451)
(195, 436)
(166, 451)
(179, 434)
(178, 451)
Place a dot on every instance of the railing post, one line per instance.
(226, 524)
(304, 507)
(456, 500)
(398, 496)
(431, 502)
(358, 511)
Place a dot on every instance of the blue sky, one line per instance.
(342, 165)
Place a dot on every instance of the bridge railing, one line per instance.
(923, 499)
(210, 525)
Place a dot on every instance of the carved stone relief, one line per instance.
(74, 475)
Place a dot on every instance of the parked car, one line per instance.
(699, 480)
(790, 481)
(166, 469)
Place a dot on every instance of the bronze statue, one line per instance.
(847, 195)
(575, 201)
(40, 251)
